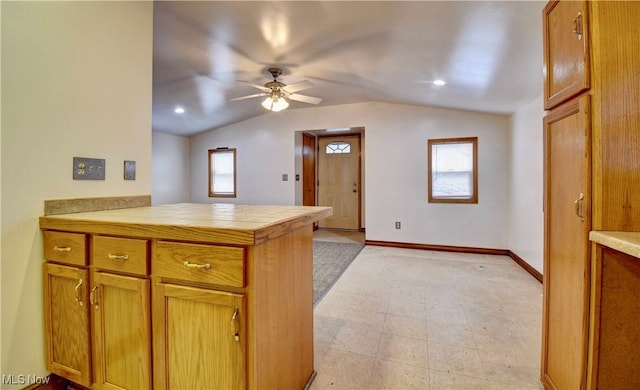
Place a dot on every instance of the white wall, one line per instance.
(171, 169)
(526, 218)
(76, 82)
(395, 168)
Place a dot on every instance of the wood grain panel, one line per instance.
(308, 170)
(107, 253)
(122, 323)
(226, 263)
(616, 308)
(66, 313)
(195, 346)
(566, 55)
(566, 249)
(616, 100)
(280, 299)
(67, 248)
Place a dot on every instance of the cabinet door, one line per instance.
(122, 321)
(199, 338)
(566, 51)
(566, 262)
(66, 318)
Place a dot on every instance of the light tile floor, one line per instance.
(415, 319)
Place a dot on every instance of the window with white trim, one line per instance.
(338, 147)
(222, 173)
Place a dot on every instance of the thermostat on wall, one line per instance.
(129, 170)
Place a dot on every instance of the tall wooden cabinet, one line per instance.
(592, 166)
(567, 226)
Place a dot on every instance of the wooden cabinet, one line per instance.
(566, 51)
(97, 320)
(567, 226)
(200, 338)
(615, 337)
(182, 304)
(201, 330)
(122, 324)
(121, 313)
(66, 319)
(592, 171)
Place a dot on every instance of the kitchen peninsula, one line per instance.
(181, 296)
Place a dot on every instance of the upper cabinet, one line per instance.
(566, 51)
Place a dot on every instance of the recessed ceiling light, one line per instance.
(439, 82)
(179, 110)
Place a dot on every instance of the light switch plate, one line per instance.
(129, 170)
(88, 168)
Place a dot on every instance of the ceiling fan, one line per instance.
(277, 92)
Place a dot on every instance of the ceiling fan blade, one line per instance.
(248, 97)
(299, 86)
(260, 87)
(304, 98)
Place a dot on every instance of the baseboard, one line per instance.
(462, 249)
(527, 267)
(444, 248)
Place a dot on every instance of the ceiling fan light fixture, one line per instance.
(275, 103)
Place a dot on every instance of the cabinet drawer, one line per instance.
(68, 248)
(200, 263)
(121, 254)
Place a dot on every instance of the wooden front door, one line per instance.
(339, 181)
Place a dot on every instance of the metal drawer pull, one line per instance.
(78, 295)
(578, 206)
(197, 266)
(92, 298)
(234, 321)
(113, 256)
(62, 248)
(577, 22)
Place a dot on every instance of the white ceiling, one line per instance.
(488, 52)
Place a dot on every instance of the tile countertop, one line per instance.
(221, 223)
(626, 242)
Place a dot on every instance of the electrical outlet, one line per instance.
(88, 168)
(285, 177)
(397, 225)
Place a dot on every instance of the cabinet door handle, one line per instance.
(78, 296)
(577, 25)
(196, 266)
(62, 248)
(113, 256)
(92, 297)
(234, 321)
(577, 204)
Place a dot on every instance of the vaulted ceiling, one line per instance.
(207, 53)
